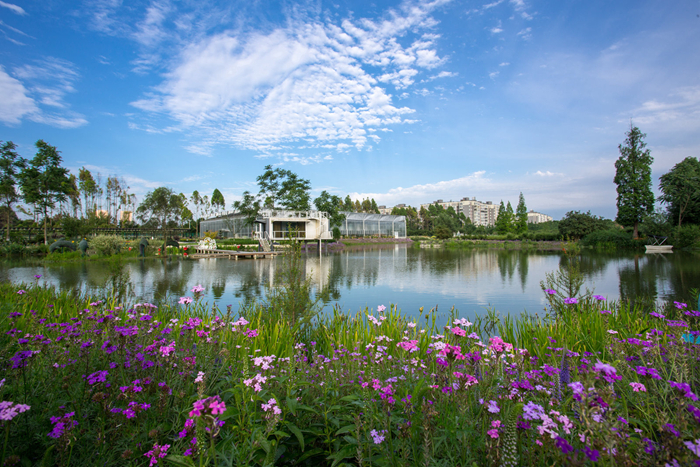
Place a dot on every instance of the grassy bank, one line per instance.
(93, 381)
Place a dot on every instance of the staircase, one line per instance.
(264, 241)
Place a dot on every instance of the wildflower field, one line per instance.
(99, 382)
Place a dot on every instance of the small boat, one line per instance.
(658, 245)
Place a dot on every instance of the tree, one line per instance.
(161, 205)
(249, 205)
(88, 187)
(44, 182)
(576, 224)
(331, 204)
(10, 166)
(374, 207)
(681, 190)
(633, 178)
(348, 204)
(366, 205)
(521, 216)
(357, 207)
(504, 221)
(217, 200)
(284, 188)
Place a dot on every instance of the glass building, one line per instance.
(361, 224)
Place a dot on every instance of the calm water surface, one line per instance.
(470, 280)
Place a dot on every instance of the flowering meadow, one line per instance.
(89, 381)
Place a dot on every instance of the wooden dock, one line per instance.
(231, 254)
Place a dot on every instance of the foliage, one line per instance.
(521, 216)
(10, 166)
(89, 188)
(43, 181)
(284, 188)
(577, 224)
(74, 227)
(566, 283)
(333, 205)
(633, 179)
(681, 191)
(505, 222)
(612, 239)
(686, 236)
(114, 384)
(249, 206)
(336, 233)
(106, 244)
(161, 205)
(442, 232)
(217, 199)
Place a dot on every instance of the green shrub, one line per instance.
(107, 244)
(613, 239)
(13, 249)
(686, 236)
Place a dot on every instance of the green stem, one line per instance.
(7, 436)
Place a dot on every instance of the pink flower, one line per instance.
(381, 308)
(493, 407)
(493, 433)
(185, 300)
(217, 407)
(638, 387)
(496, 423)
(197, 289)
(459, 332)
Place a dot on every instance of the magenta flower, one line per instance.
(571, 301)
(21, 292)
(197, 289)
(493, 433)
(638, 387)
(551, 291)
(600, 298)
(608, 372)
(605, 312)
(157, 452)
(185, 300)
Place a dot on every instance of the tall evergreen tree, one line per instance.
(633, 179)
(521, 216)
(88, 187)
(10, 166)
(504, 222)
(217, 200)
(348, 205)
(374, 207)
(43, 181)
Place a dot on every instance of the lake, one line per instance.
(470, 280)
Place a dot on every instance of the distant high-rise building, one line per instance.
(537, 217)
(478, 212)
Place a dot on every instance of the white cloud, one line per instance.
(680, 111)
(494, 74)
(525, 33)
(491, 5)
(518, 4)
(496, 29)
(14, 8)
(504, 64)
(15, 102)
(444, 74)
(319, 81)
(547, 174)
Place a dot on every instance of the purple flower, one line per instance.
(532, 411)
(38, 276)
(563, 445)
(377, 436)
(600, 298)
(97, 377)
(571, 301)
(551, 291)
(9, 410)
(608, 372)
(672, 429)
(197, 289)
(493, 407)
(157, 452)
(680, 305)
(21, 292)
(592, 454)
(657, 315)
(605, 312)
(185, 300)
(685, 389)
(20, 359)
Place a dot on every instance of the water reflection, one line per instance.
(412, 277)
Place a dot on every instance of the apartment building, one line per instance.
(537, 217)
(478, 212)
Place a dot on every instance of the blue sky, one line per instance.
(402, 101)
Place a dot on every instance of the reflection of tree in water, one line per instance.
(594, 262)
(218, 288)
(251, 287)
(639, 277)
(523, 264)
(173, 279)
(683, 273)
(506, 263)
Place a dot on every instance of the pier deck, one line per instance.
(232, 254)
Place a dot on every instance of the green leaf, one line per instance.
(346, 429)
(308, 454)
(180, 460)
(292, 405)
(350, 398)
(297, 432)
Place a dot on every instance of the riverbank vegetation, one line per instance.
(105, 381)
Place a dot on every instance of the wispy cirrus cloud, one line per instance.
(13, 8)
(36, 91)
(322, 82)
